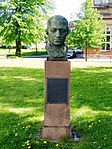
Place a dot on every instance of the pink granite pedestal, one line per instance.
(56, 114)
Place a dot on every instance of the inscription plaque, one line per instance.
(57, 91)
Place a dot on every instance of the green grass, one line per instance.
(24, 52)
(34, 53)
(22, 99)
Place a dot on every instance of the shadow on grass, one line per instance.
(91, 106)
(92, 87)
(22, 87)
(21, 101)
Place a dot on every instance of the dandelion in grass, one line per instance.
(27, 142)
(27, 127)
(45, 142)
(37, 142)
(90, 126)
(57, 145)
(16, 134)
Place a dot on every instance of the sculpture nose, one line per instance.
(57, 33)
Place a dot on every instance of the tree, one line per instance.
(87, 33)
(22, 21)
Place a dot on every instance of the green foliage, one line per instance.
(23, 21)
(87, 32)
(22, 108)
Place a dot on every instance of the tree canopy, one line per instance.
(87, 33)
(22, 21)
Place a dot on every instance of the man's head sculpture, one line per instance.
(57, 30)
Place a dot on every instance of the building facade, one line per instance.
(105, 9)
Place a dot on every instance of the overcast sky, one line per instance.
(68, 8)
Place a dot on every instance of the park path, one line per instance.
(39, 63)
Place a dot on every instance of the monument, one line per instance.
(57, 81)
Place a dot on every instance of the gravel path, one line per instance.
(39, 63)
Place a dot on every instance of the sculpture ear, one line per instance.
(46, 31)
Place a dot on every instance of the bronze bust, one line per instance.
(57, 30)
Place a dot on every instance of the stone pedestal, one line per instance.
(56, 100)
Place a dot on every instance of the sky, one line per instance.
(68, 8)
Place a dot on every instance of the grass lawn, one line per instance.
(22, 99)
(24, 52)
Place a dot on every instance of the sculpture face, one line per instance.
(57, 30)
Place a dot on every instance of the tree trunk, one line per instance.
(36, 48)
(18, 41)
(86, 54)
(86, 51)
(18, 48)
(18, 33)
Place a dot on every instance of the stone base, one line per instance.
(56, 123)
(55, 133)
(57, 115)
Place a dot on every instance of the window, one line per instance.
(104, 1)
(100, 2)
(106, 43)
(96, 2)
